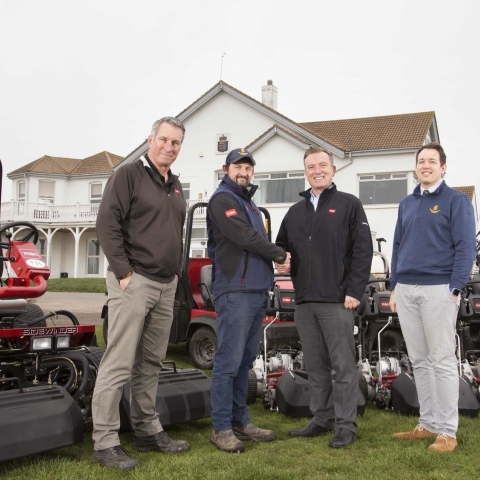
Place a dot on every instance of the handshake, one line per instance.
(285, 266)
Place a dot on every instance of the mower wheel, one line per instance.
(96, 353)
(467, 340)
(362, 383)
(393, 341)
(251, 396)
(203, 346)
(32, 312)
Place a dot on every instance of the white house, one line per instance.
(375, 159)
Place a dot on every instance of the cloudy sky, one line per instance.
(77, 78)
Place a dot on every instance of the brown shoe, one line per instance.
(443, 443)
(418, 433)
(254, 433)
(226, 441)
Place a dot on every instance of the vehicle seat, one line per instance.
(206, 285)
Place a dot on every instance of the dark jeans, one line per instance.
(239, 323)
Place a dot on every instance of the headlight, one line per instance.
(63, 341)
(41, 343)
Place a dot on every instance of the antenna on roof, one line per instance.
(221, 65)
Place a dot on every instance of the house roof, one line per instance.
(468, 191)
(374, 133)
(103, 162)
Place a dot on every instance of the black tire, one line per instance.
(251, 396)
(32, 313)
(105, 329)
(392, 341)
(203, 346)
(96, 353)
(362, 383)
(467, 340)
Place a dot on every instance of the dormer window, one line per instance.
(21, 191)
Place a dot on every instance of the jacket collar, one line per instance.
(147, 163)
(326, 192)
(247, 193)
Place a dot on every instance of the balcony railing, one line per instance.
(55, 213)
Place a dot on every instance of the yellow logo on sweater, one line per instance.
(435, 209)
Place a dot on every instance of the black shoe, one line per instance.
(342, 438)
(311, 430)
(115, 457)
(160, 442)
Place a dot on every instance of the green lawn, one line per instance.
(90, 285)
(375, 455)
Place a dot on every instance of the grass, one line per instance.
(83, 285)
(374, 455)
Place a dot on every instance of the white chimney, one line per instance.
(269, 95)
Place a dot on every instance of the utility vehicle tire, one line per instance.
(32, 312)
(96, 353)
(391, 340)
(362, 383)
(251, 396)
(203, 346)
(105, 328)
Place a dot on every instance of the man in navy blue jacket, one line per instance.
(433, 253)
(242, 274)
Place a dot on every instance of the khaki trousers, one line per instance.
(139, 321)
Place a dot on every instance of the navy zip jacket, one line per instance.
(238, 244)
(331, 247)
(434, 242)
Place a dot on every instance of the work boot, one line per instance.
(115, 457)
(251, 432)
(418, 433)
(443, 443)
(160, 442)
(225, 440)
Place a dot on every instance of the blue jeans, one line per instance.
(239, 323)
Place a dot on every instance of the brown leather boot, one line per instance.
(418, 433)
(443, 443)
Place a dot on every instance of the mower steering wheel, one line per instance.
(33, 232)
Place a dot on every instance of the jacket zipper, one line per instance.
(245, 269)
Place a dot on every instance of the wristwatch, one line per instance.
(456, 291)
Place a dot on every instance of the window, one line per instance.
(199, 233)
(41, 246)
(199, 253)
(384, 188)
(186, 190)
(46, 191)
(93, 257)
(279, 187)
(95, 192)
(21, 191)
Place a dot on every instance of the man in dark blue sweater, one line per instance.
(433, 253)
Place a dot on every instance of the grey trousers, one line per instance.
(427, 315)
(139, 321)
(326, 333)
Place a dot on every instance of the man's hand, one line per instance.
(393, 303)
(285, 266)
(351, 303)
(125, 280)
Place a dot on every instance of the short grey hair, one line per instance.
(171, 121)
(317, 150)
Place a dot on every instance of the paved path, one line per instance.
(87, 307)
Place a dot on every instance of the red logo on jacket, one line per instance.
(177, 192)
(332, 210)
(230, 213)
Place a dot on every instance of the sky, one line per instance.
(78, 78)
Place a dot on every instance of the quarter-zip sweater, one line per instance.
(238, 244)
(434, 241)
(140, 224)
(331, 247)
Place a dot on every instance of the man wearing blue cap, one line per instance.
(242, 274)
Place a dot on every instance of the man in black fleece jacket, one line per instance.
(330, 243)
